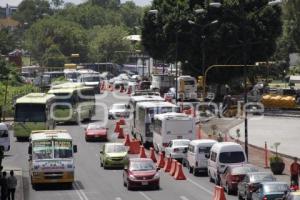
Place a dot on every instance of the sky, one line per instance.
(16, 2)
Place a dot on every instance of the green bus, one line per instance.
(32, 112)
(75, 102)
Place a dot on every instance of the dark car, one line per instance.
(251, 181)
(95, 132)
(270, 191)
(141, 172)
(233, 174)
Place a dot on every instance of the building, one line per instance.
(9, 23)
(7, 11)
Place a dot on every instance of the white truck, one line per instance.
(162, 82)
(170, 126)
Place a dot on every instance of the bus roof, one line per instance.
(35, 98)
(146, 98)
(155, 104)
(49, 134)
(67, 87)
(172, 115)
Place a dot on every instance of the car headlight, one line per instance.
(131, 177)
(156, 176)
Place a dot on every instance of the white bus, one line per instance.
(51, 157)
(144, 118)
(170, 126)
(143, 98)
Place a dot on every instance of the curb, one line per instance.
(19, 195)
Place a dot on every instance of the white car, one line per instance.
(177, 149)
(118, 110)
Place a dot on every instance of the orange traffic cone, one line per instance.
(122, 121)
(121, 134)
(127, 140)
(152, 155)
(173, 167)
(161, 161)
(117, 128)
(167, 166)
(134, 147)
(179, 175)
(142, 152)
(219, 193)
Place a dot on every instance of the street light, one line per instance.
(276, 2)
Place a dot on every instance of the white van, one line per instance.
(4, 137)
(198, 155)
(170, 126)
(223, 154)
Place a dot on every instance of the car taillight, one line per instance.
(265, 198)
(234, 178)
(165, 144)
(176, 150)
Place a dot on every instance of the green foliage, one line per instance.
(68, 36)
(7, 41)
(276, 159)
(105, 41)
(106, 3)
(225, 40)
(53, 57)
(29, 11)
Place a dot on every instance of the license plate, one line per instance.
(144, 183)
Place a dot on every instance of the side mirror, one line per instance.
(157, 169)
(75, 148)
(30, 150)
(101, 151)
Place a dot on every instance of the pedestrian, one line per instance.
(295, 170)
(11, 185)
(3, 183)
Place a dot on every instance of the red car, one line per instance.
(141, 172)
(95, 132)
(233, 174)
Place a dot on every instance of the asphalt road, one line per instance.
(95, 183)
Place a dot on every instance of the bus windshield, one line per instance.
(42, 150)
(30, 113)
(62, 149)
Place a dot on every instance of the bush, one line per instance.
(14, 92)
(276, 159)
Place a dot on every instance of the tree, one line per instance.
(7, 41)
(68, 36)
(108, 44)
(30, 11)
(106, 3)
(223, 42)
(53, 57)
(131, 15)
(57, 3)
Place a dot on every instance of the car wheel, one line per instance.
(101, 163)
(217, 180)
(227, 189)
(157, 187)
(240, 196)
(190, 169)
(128, 186)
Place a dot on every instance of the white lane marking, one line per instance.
(118, 198)
(200, 186)
(80, 192)
(183, 198)
(145, 196)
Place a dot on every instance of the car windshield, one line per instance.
(115, 148)
(62, 149)
(204, 149)
(261, 177)
(243, 170)
(271, 188)
(181, 143)
(142, 166)
(94, 127)
(232, 157)
(118, 106)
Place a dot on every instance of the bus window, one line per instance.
(42, 150)
(62, 149)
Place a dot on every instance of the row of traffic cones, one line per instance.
(171, 166)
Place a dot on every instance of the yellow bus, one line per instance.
(51, 157)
